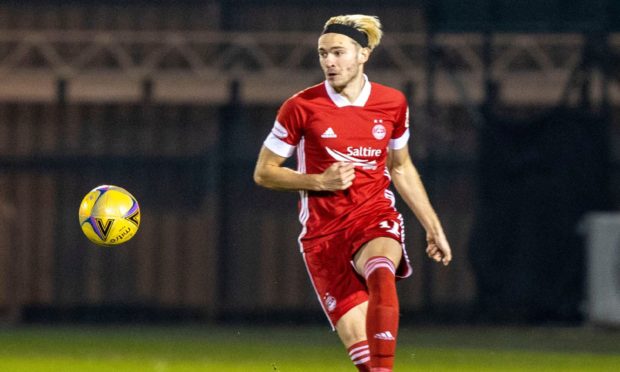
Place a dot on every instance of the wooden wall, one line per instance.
(171, 159)
(52, 155)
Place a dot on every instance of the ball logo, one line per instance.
(121, 235)
(378, 131)
(103, 227)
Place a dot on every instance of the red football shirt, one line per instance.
(326, 128)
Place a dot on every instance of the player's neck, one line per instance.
(353, 89)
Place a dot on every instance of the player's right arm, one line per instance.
(270, 173)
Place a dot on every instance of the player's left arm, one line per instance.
(409, 185)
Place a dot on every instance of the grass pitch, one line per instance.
(302, 349)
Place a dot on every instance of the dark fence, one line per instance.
(51, 155)
(539, 176)
(212, 245)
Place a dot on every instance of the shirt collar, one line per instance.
(341, 101)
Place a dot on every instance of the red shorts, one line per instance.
(338, 286)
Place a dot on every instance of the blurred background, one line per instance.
(515, 132)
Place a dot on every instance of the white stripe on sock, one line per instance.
(377, 263)
(352, 351)
(361, 353)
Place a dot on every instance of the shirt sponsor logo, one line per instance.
(278, 130)
(363, 151)
(353, 154)
(329, 133)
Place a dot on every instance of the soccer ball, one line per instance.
(109, 215)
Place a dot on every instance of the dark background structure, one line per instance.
(515, 133)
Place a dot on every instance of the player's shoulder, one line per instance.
(385, 92)
(304, 102)
(309, 94)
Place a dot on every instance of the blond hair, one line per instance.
(370, 25)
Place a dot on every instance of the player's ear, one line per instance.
(364, 54)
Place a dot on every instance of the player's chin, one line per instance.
(334, 81)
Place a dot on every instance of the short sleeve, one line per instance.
(286, 132)
(400, 134)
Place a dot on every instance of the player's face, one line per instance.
(341, 59)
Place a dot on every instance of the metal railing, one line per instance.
(199, 66)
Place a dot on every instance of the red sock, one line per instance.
(383, 312)
(360, 356)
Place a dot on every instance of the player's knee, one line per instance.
(379, 247)
(352, 336)
(351, 327)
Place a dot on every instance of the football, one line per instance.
(109, 215)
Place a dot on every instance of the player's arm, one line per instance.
(270, 172)
(407, 181)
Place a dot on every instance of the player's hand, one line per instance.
(438, 248)
(339, 176)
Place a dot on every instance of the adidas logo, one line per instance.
(329, 133)
(385, 336)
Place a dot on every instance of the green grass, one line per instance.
(303, 349)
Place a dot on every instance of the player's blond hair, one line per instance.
(370, 25)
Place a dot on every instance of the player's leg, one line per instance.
(343, 296)
(376, 261)
(351, 328)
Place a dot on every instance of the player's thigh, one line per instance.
(338, 287)
(381, 246)
(351, 327)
